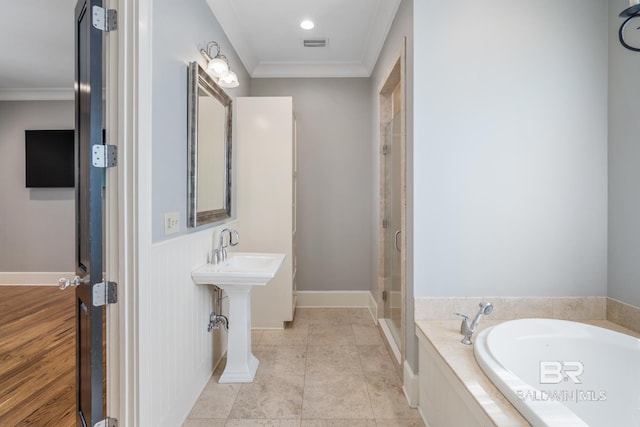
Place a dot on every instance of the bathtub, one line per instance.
(561, 373)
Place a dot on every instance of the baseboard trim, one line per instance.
(332, 299)
(32, 278)
(411, 385)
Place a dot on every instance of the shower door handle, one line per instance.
(395, 238)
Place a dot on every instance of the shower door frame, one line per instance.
(396, 74)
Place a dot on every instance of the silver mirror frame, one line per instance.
(198, 77)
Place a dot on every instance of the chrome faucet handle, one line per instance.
(216, 256)
(464, 326)
(222, 248)
(237, 236)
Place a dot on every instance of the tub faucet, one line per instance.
(220, 254)
(468, 328)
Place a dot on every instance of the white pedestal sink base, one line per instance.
(236, 276)
(230, 377)
(241, 363)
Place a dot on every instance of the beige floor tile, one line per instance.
(367, 335)
(375, 358)
(333, 360)
(329, 317)
(336, 396)
(281, 360)
(300, 320)
(215, 401)
(338, 423)
(387, 398)
(256, 335)
(284, 337)
(361, 316)
(400, 423)
(302, 313)
(265, 423)
(204, 422)
(331, 335)
(327, 368)
(269, 397)
(298, 323)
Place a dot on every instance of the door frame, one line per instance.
(128, 206)
(112, 223)
(395, 73)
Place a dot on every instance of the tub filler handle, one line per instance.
(467, 328)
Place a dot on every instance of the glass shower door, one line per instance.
(392, 236)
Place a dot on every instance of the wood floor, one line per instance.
(37, 356)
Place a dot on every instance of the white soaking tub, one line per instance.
(561, 373)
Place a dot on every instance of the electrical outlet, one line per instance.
(171, 222)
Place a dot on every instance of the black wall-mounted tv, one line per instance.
(49, 158)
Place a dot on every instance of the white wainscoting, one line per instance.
(182, 353)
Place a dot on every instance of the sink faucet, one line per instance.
(220, 254)
(468, 328)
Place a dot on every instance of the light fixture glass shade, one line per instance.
(218, 67)
(307, 24)
(229, 80)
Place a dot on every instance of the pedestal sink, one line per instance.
(236, 275)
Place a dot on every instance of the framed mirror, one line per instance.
(209, 149)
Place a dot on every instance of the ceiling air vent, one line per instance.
(315, 43)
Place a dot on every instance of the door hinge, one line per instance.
(104, 19)
(384, 295)
(104, 293)
(104, 156)
(385, 149)
(385, 223)
(107, 422)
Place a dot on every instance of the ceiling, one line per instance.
(37, 40)
(269, 39)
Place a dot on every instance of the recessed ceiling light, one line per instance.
(307, 24)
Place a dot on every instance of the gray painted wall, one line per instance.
(402, 27)
(178, 34)
(624, 165)
(510, 148)
(335, 179)
(37, 224)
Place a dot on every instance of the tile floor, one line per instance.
(329, 367)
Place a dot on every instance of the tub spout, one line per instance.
(468, 327)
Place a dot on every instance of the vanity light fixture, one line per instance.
(218, 66)
(307, 24)
(229, 80)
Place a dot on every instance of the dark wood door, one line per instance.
(89, 216)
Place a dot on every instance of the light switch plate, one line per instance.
(171, 222)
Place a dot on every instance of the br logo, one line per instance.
(555, 372)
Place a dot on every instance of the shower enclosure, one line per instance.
(392, 221)
(392, 225)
